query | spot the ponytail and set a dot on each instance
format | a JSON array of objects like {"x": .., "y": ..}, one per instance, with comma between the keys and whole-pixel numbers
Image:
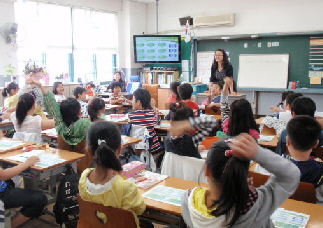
[
  {"x": 25, "y": 103},
  {"x": 5, "y": 92},
  {"x": 104, "y": 140},
  {"x": 93, "y": 108},
  {"x": 231, "y": 174},
  {"x": 106, "y": 157}
]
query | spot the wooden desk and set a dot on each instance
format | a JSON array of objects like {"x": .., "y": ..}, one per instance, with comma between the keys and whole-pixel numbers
[
  {"x": 17, "y": 147},
  {"x": 7, "y": 125},
  {"x": 315, "y": 211},
  {"x": 130, "y": 140},
  {"x": 164, "y": 126},
  {"x": 271, "y": 143}
]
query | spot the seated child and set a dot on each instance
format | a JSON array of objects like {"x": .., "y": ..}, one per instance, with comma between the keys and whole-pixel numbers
[
  {"x": 300, "y": 106},
  {"x": 287, "y": 115},
  {"x": 90, "y": 90},
  {"x": 239, "y": 117},
  {"x": 116, "y": 97},
  {"x": 96, "y": 109},
  {"x": 27, "y": 126},
  {"x": 79, "y": 93},
  {"x": 10, "y": 94},
  {"x": 58, "y": 91},
  {"x": 185, "y": 92},
  {"x": 103, "y": 184},
  {"x": 214, "y": 103},
  {"x": 229, "y": 201},
  {"x": 281, "y": 105},
  {"x": 187, "y": 144},
  {"x": 174, "y": 97},
  {"x": 146, "y": 115}
]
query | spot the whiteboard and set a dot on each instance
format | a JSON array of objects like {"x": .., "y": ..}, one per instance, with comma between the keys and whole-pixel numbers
[
  {"x": 203, "y": 67},
  {"x": 263, "y": 71}
]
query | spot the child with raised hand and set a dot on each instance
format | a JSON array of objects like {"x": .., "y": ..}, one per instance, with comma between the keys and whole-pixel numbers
[
  {"x": 96, "y": 109},
  {"x": 103, "y": 184},
  {"x": 187, "y": 143},
  {"x": 79, "y": 94},
  {"x": 58, "y": 91},
  {"x": 239, "y": 117},
  {"x": 31, "y": 201},
  {"x": 229, "y": 201},
  {"x": 67, "y": 116},
  {"x": 145, "y": 114},
  {"x": 10, "y": 94}
]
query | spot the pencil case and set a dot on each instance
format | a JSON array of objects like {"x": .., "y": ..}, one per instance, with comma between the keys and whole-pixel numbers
[{"x": 132, "y": 168}]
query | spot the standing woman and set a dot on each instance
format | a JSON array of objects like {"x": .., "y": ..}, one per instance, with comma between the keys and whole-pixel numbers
[
  {"x": 221, "y": 68},
  {"x": 117, "y": 78}
]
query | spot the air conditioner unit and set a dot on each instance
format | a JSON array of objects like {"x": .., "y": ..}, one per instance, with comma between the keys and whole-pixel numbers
[{"x": 214, "y": 20}]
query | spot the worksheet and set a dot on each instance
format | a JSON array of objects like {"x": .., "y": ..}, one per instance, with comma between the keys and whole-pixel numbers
[
  {"x": 9, "y": 144},
  {"x": 165, "y": 195},
  {"x": 289, "y": 219}
]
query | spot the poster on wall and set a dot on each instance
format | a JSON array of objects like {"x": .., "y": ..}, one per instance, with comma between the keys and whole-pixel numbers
[{"x": 315, "y": 72}]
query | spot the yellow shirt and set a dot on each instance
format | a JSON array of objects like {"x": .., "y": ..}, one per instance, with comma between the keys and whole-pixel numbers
[
  {"x": 11, "y": 101},
  {"x": 198, "y": 201},
  {"x": 121, "y": 194}
]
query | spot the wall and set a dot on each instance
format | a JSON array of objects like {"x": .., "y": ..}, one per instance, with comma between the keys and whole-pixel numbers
[
  {"x": 7, "y": 51},
  {"x": 252, "y": 16}
]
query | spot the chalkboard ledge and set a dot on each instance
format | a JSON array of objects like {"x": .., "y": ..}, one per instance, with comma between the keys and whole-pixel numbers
[{"x": 307, "y": 90}]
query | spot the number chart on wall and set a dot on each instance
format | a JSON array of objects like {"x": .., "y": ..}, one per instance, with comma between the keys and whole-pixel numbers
[{"x": 263, "y": 71}]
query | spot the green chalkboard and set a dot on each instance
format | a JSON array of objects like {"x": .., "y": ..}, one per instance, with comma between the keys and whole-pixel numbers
[{"x": 296, "y": 46}]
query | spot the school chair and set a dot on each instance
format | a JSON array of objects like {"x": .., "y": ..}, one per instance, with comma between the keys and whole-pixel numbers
[
  {"x": 79, "y": 148},
  {"x": 89, "y": 216},
  {"x": 304, "y": 192},
  {"x": 153, "y": 91},
  {"x": 184, "y": 167},
  {"x": 318, "y": 151},
  {"x": 210, "y": 111},
  {"x": 209, "y": 141}
]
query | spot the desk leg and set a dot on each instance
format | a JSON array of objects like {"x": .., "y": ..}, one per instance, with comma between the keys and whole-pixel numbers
[{"x": 52, "y": 186}]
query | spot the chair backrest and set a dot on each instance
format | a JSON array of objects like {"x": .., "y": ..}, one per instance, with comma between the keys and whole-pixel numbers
[
  {"x": 153, "y": 90},
  {"x": 209, "y": 141},
  {"x": 79, "y": 148},
  {"x": 187, "y": 168},
  {"x": 304, "y": 192},
  {"x": 210, "y": 111},
  {"x": 115, "y": 217}
]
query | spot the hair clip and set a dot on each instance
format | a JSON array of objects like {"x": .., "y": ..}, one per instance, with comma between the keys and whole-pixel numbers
[
  {"x": 176, "y": 104},
  {"x": 91, "y": 104},
  {"x": 101, "y": 141},
  {"x": 228, "y": 153},
  {"x": 230, "y": 140}
]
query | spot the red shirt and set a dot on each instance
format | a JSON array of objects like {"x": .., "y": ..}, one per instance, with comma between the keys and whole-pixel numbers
[{"x": 192, "y": 105}]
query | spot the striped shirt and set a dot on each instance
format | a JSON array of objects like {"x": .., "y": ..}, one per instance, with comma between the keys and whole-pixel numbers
[{"x": 147, "y": 118}]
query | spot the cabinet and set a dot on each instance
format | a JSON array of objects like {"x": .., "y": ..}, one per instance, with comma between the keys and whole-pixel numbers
[{"x": 158, "y": 76}]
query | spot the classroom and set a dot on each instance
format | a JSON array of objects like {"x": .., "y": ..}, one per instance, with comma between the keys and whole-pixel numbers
[{"x": 270, "y": 45}]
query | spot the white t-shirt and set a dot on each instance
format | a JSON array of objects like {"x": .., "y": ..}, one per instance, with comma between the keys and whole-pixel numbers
[
  {"x": 287, "y": 115},
  {"x": 30, "y": 129},
  {"x": 59, "y": 98}
]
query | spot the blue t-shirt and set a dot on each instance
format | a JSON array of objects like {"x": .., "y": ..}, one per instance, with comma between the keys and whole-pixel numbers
[{"x": 216, "y": 99}]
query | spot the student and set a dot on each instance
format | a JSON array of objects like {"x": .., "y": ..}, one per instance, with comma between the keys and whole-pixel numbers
[
  {"x": 300, "y": 106},
  {"x": 67, "y": 115},
  {"x": 287, "y": 115},
  {"x": 229, "y": 201},
  {"x": 79, "y": 93},
  {"x": 32, "y": 202},
  {"x": 214, "y": 103},
  {"x": 117, "y": 78},
  {"x": 187, "y": 144},
  {"x": 185, "y": 91},
  {"x": 145, "y": 115},
  {"x": 116, "y": 97},
  {"x": 96, "y": 109},
  {"x": 58, "y": 91},
  {"x": 90, "y": 90},
  {"x": 300, "y": 144},
  {"x": 103, "y": 184},
  {"x": 10, "y": 94},
  {"x": 239, "y": 118},
  {"x": 281, "y": 105},
  {"x": 27, "y": 126},
  {"x": 174, "y": 97}
]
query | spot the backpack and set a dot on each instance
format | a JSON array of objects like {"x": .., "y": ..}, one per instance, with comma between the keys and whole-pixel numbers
[{"x": 66, "y": 208}]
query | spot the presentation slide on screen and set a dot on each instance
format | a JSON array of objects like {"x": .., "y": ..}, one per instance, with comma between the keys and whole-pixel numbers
[{"x": 165, "y": 49}]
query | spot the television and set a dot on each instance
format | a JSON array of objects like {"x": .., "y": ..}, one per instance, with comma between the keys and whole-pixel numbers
[{"x": 157, "y": 48}]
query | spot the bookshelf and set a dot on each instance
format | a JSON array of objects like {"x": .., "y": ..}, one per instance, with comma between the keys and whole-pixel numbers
[{"x": 158, "y": 76}]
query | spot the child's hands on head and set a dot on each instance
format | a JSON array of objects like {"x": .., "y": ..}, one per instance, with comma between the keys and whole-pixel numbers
[
  {"x": 178, "y": 128},
  {"x": 244, "y": 146},
  {"x": 201, "y": 148},
  {"x": 32, "y": 160}
]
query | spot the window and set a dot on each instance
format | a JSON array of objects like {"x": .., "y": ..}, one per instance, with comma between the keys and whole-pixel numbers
[{"x": 47, "y": 39}]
